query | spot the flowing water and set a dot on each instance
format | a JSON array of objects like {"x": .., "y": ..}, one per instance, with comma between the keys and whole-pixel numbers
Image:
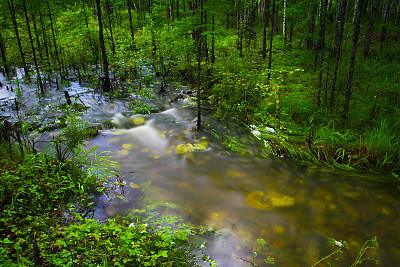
[{"x": 294, "y": 208}]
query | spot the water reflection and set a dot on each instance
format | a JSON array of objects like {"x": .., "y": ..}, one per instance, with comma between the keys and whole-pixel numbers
[{"x": 294, "y": 211}]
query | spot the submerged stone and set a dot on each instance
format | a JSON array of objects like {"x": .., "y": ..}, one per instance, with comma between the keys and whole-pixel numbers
[{"x": 261, "y": 201}]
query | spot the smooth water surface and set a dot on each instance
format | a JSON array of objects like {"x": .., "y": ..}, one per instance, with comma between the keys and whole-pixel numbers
[{"x": 295, "y": 210}]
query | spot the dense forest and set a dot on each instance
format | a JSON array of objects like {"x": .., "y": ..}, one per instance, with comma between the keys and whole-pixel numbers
[
  {"x": 314, "y": 81},
  {"x": 323, "y": 74}
]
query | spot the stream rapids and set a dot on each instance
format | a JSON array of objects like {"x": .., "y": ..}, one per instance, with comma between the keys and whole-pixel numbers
[{"x": 295, "y": 209}]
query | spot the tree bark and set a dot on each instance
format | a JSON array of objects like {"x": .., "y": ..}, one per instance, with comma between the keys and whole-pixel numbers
[
  {"x": 177, "y": 9},
  {"x": 94, "y": 52},
  {"x": 39, "y": 78},
  {"x": 353, "y": 58},
  {"x": 311, "y": 26},
  {"x": 109, "y": 13},
  {"x": 386, "y": 15},
  {"x": 321, "y": 45},
  {"x": 128, "y": 4},
  {"x": 338, "y": 45},
  {"x": 270, "y": 43},
  {"x": 368, "y": 35},
  {"x": 39, "y": 46},
  {"x": 106, "y": 79},
  {"x": 54, "y": 40},
  {"x": 291, "y": 29},
  {"x": 199, "y": 45},
  {"x": 266, "y": 11},
  {"x": 3, "y": 55},
  {"x": 284, "y": 20},
  {"x": 212, "y": 41},
  {"x": 14, "y": 20}
]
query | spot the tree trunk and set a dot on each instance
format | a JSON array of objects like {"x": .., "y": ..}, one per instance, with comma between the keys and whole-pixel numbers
[
  {"x": 270, "y": 43},
  {"x": 311, "y": 26},
  {"x": 266, "y": 11},
  {"x": 291, "y": 29},
  {"x": 128, "y": 4},
  {"x": 386, "y": 15},
  {"x": 54, "y": 40},
  {"x": 321, "y": 45},
  {"x": 14, "y": 20},
  {"x": 39, "y": 47},
  {"x": 94, "y": 52},
  {"x": 109, "y": 13},
  {"x": 212, "y": 41},
  {"x": 150, "y": 6},
  {"x": 39, "y": 78},
  {"x": 368, "y": 35},
  {"x": 353, "y": 58},
  {"x": 170, "y": 10},
  {"x": 338, "y": 45},
  {"x": 284, "y": 20},
  {"x": 46, "y": 48},
  {"x": 106, "y": 82},
  {"x": 3, "y": 55},
  {"x": 199, "y": 45},
  {"x": 177, "y": 9},
  {"x": 241, "y": 19}
]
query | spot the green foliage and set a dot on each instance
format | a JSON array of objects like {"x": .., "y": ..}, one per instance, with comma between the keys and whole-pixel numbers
[
  {"x": 371, "y": 244},
  {"x": 112, "y": 243},
  {"x": 71, "y": 138},
  {"x": 35, "y": 195}
]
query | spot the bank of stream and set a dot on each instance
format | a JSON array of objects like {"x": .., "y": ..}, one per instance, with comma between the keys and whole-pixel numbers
[{"x": 295, "y": 209}]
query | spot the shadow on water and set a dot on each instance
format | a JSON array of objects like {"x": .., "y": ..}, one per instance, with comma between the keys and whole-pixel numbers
[{"x": 294, "y": 208}]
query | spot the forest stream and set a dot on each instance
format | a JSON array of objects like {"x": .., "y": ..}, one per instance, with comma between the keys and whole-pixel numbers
[{"x": 243, "y": 197}]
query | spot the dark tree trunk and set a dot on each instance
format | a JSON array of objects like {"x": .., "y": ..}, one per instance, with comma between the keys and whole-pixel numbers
[
  {"x": 241, "y": 19},
  {"x": 311, "y": 26},
  {"x": 94, "y": 52},
  {"x": 39, "y": 46},
  {"x": 368, "y": 35},
  {"x": 3, "y": 55},
  {"x": 106, "y": 79},
  {"x": 321, "y": 45},
  {"x": 338, "y": 45},
  {"x": 199, "y": 46},
  {"x": 170, "y": 10},
  {"x": 177, "y": 9},
  {"x": 46, "y": 48},
  {"x": 109, "y": 13},
  {"x": 128, "y": 4},
  {"x": 291, "y": 29},
  {"x": 227, "y": 16},
  {"x": 39, "y": 78},
  {"x": 14, "y": 20},
  {"x": 150, "y": 6},
  {"x": 386, "y": 16},
  {"x": 266, "y": 11},
  {"x": 353, "y": 58},
  {"x": 212, "y": 41},
  {"x": 275, "y": 20},
  {"x": 270, "y": 43},
  {"x": 54, "y": 40}
]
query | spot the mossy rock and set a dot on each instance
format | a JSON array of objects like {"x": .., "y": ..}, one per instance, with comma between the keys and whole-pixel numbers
[
  {"x": 262, "y": 201},
  {"x": 75, "y": 106},
  {"x": 187, "y": 148}
]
